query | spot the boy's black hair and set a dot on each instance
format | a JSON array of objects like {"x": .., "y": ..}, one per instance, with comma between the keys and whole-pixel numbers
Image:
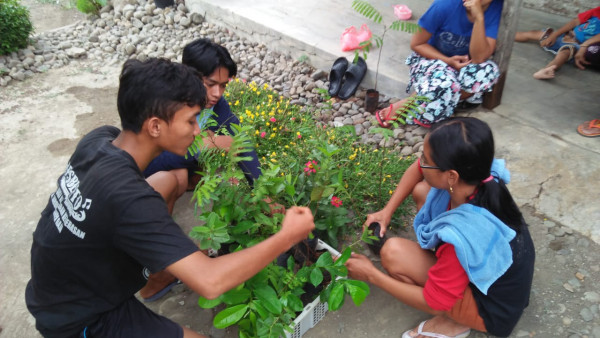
[
  {"x": 206, "y": 56},
  {"x": 466, "y": 144},
  {"x": 156, "y": 87}
]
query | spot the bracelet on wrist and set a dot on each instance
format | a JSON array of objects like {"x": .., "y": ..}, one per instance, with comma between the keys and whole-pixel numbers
[{"x": 584, "y": 46}]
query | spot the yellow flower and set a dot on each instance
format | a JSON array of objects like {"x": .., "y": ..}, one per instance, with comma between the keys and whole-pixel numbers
[
  {"x": 273, "y": 154},
  {"x": 272, "y": 135},
  {"x": 256, "y": 132},
  {"x": 388, "y": 176},
  {"x": 268, "y": 124},
  {"x": 237, "y": 102},
  {"x": 391, "y": 192},
  {"x": 286, "y": 146},
  {"x": 273, "y": 160},
  {"x": 222, "y": 154},
  {"x": 376, "y": 150},
  {"x": 352, "y": 157}
]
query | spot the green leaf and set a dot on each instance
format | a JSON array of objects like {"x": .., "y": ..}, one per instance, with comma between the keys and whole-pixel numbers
[
  {"x": 208, "y": 303},
  {"x": 235, "y": 296},
  {"x": 260, "y": 309},
  {"x": 344, "y": 257},
  {"x": 316, "y": 193},
  {"x": 269, "y": 298},
  {"x": 336, "y": 297},
  {"x": 230, "y": 316},
  {"x": 358, "y": 290},
  {"x": 316, "y": 276},
  {"x": 294, "y": 303},
  {"x": 324, "y": 260}
]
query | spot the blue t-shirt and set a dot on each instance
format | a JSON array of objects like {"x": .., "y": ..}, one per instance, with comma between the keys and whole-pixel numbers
[
  {"x": 450, "y": 28},
  {"x": 587, "y": 29}
]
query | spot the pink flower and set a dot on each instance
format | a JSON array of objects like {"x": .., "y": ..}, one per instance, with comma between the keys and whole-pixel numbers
[
  {"x": 310, "y": 167},
  {"x": 402, "y": 12},
  {"x": 336, "y": 201},
  {"x": 299, "y": 136},
  {"x": 263, "y": 134},
  {"x": 273, "y": 119}
]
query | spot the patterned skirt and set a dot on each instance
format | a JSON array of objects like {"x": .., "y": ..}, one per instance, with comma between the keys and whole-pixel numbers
[{"x": 442, "y": 85}]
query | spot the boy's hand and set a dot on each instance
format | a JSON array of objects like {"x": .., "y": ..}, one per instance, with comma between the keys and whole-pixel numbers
[
  {"x": 297, "y": 224},
  {"x": 549, "y": 41},
  {"x": 580, "y": 60}
]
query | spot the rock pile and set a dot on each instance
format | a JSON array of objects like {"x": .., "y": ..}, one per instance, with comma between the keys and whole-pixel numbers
[{"x": 140, "y": 30}]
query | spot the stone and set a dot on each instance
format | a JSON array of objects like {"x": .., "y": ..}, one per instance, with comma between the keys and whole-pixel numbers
[{"x": 586, "y": 314}]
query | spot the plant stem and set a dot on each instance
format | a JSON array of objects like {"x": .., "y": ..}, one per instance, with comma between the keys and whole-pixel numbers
[{"x": 379, "y": 56}]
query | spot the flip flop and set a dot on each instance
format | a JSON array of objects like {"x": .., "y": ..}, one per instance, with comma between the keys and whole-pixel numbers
[
  {"x": 162, "y": 292},
  {"x": 382, "y": 122},
  {"x": 352, "y": 78},
  {"x": 546, "y": 34},
  {"x": 336, "y": 75},
  {"x": 420, "y": 332},
  {"x": 589, "y": 128}
]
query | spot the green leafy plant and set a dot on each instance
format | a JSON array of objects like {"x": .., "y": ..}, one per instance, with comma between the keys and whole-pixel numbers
[
  {"x": 15, "y": 26},
  {"x": 303, "y": 163},
  {"x": 369, "y": 11},
  {"x": 90, "y": 6}
]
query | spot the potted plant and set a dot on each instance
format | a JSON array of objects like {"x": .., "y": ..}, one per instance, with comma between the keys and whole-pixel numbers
[{"x": 366, "y": 9}]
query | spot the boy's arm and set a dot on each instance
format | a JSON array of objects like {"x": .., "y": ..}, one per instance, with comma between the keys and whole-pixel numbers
[
  {"x": 211, "y": 277},
  {"x": 551, "y": 39},
  {"x": 580, "y": 60}
]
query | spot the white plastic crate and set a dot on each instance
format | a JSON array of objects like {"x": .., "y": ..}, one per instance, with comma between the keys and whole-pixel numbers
[{"x": 314, "y": 311}]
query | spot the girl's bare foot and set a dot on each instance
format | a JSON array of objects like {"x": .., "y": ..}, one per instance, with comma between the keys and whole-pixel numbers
[{"x": 545, "y": 73}]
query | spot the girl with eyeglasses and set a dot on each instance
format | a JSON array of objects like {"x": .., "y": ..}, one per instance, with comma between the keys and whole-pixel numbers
[{"x": 472, "y": 266}]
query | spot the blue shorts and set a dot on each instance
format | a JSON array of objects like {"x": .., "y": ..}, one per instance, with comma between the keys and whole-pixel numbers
[{"x": 561, "y": 44}]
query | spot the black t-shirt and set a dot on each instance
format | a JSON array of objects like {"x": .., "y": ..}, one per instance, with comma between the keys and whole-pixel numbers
[
  {"x": 103, "y": 231},
  {"x": 509, "y": 295}
]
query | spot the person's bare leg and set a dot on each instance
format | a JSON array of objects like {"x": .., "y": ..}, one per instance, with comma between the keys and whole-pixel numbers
[
  {"x": 188, "y": 333},
  {"x": 167, "y": 185},
  {"x": 548, "y": 72},
  {"x": 405, "y": 261},
  {"x": 534, "y": 35},
  {"x": 182, "y": 180},
  {"x": 419, "y": 193}
]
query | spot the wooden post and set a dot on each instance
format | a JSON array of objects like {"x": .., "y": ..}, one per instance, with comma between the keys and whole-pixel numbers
[{"x": 504, "y": 44}]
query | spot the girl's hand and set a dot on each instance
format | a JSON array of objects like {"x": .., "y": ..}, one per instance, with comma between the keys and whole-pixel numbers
[
  {"x": 459, "y": 61},
  {"x": 359, "y": 267},
  {"x": 380, "y": 217},
  {"x": 474, "y": 8}
]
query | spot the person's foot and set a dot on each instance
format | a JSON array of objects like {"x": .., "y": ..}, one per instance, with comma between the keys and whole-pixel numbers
[
  {"x": 440, "y": 325},
  {"x": 158, "y": 285},
  {"x": 385, "y": 115},
  {"x": 545, "y": 73}
]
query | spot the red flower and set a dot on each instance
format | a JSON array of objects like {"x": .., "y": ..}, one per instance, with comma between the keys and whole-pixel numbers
[
  {"x": 336, "y": 201},
  {"x": 273, "y": 119},
  {"x": 310, "y": 167},
  {"x": 262, "y": 135}
]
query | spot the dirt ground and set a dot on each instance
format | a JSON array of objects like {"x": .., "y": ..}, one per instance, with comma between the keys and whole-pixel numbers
[{"x": 43, "y": 118}]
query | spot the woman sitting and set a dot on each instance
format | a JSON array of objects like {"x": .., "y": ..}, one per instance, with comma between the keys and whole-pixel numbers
[
  {"x": 449, "y": 64},
  {"x": 472, "y": 267}
]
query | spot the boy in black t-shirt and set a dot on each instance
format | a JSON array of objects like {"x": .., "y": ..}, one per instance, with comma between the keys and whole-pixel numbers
[{"x": 106, "y": 228}]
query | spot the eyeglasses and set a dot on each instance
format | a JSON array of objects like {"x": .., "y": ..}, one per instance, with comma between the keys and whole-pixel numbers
[{"x": 427, "y": 166}]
